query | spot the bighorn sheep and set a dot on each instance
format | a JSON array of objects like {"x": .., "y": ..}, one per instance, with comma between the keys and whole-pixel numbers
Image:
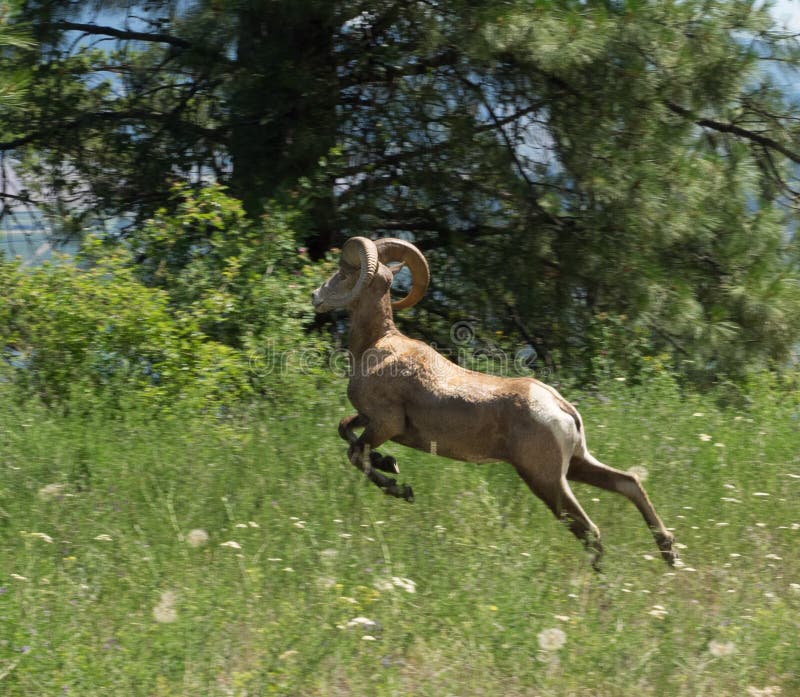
[{"x": 406, "y": 392}]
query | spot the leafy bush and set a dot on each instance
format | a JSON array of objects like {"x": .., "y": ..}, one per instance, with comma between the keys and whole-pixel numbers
[
  {"x": 70, "y": 332},
  {"x": 212, "y": 296}
]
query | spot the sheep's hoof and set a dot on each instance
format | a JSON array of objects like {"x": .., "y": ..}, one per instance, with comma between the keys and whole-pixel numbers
[
  {"x": 665, "y": 543},
  {"x": 385, "y": 463},
  {"x": 400, "y": 491}
]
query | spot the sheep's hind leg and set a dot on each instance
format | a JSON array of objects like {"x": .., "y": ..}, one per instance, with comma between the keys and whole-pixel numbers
[
  {"x": 363, "y": 457},
  {"x": 557, "y": 495},
  {"x": 589, "y": 470}
]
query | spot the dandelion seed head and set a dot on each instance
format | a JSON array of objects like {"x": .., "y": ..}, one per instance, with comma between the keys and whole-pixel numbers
[
  {"x": 197, "y": 537},
  {"x": 639, "y": 471},
  {"x": 721, "y": 648},
  {"x": 551, "y": 639},
  {"x": 165, "y": 612}
]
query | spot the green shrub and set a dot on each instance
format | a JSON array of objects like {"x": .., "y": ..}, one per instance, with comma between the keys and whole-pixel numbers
[
  {"x": 199, "y": 306},
  {"x": 71, "y": 332}
]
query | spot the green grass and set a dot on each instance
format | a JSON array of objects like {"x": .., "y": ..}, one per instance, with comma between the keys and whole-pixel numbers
[{"x": 318, "y": 547}]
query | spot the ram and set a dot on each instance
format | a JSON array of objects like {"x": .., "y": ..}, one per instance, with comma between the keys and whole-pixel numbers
[{"x": 404, "y": 391}]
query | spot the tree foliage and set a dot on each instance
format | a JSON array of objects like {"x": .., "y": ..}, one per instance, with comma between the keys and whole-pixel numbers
[{"x": 576, "y": 170}]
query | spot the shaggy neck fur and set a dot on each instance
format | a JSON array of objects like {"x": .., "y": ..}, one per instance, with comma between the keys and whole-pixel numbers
[{"x": 370, "y": 321}]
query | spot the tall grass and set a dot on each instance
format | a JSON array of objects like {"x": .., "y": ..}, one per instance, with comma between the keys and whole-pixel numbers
[{"x": 311, "y": 582}]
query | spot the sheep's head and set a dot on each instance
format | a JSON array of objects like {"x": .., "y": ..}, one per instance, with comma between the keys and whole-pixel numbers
[{"x": 364, "y": 268}]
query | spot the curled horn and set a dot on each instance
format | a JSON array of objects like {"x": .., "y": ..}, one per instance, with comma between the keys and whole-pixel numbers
[
  {"x": 395, "y": 250},
  {"x": 358, "y": 253}
]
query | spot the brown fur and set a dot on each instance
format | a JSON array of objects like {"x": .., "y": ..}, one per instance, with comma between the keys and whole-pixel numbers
[{"x": 406, "y": 392}]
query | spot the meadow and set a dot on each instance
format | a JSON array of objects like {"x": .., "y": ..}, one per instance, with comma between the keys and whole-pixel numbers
[{"x": 191, "y": 555}]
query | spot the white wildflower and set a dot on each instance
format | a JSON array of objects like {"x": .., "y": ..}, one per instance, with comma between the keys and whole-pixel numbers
[
  {"x": 253, "y": 524},
  {"x": 551, "y": 639},
  {"x": 233, "y": 544},
  {"x": 368, "y": 637},
  {"x": 698, "y": 413},
  {"x": 405, "y": 583},
  {"x": 197, "y": 537},
  {"x": 658, "y": 611},
  {"x": 721, "y": 648},
  {"x": 769, "y": 691},
  {"x": 104, "y": 538},
  {"x": 240, "y": 525},
  {"x": 760, "y": 493},
  {"x": 300, "y": 524},
  {"x": 704, "y": 437},
  {"x": 364, "y": 622},
  {"x": 52, "y": 491},
  {"x": 17, "y": 577},
  {"x": 773, "y": 556},
  {"x": 42, "y": 536}
]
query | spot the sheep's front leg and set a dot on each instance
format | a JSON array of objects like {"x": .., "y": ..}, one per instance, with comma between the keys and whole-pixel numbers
[
  {"x": 361, "y": 455},
  {"x": 382, "y": 462}
]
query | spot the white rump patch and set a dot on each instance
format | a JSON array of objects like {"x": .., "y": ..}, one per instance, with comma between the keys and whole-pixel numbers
[{"x": 546, "y": 411}]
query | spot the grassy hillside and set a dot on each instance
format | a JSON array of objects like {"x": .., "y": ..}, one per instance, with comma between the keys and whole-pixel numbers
[{"x": 189, "y": 556}]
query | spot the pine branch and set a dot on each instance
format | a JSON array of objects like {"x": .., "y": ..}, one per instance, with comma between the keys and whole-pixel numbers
[
  {"x": 732, "y": 128},
  {"x": 122, "y": 33}
]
